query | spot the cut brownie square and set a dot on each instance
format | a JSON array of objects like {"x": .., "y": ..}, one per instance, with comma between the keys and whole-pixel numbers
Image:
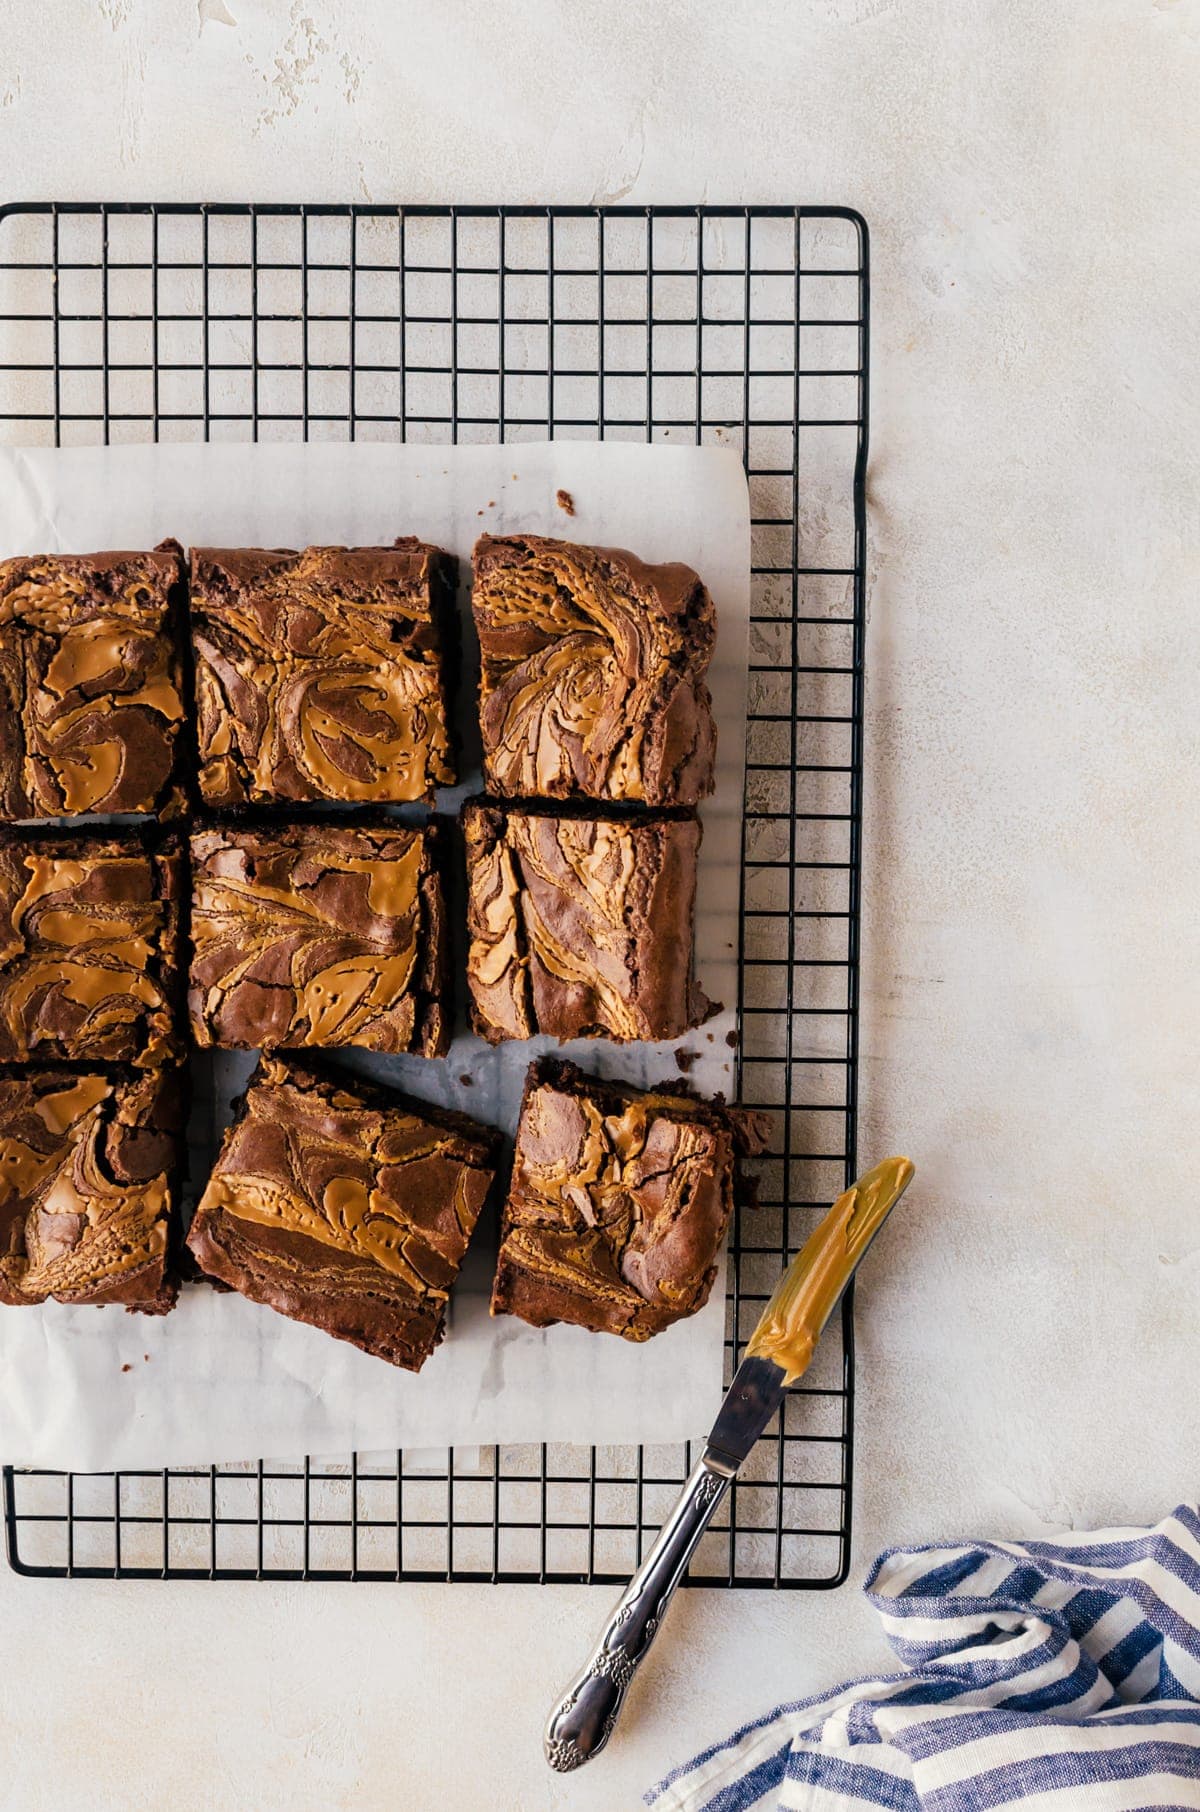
[
  {"x": 592, "y": 677},
  {"x": 88, "y": 1164},
  {"x": 90, "y": 708},
  {"x": 319, "y": 934},
  {"x": 322, "y": 674},
  {"x": 618, "y": 1205},
  {"x": 89, "y": 959},
  {"x": 344, "y": 1205},
  {"x": 581, "y": 923}
]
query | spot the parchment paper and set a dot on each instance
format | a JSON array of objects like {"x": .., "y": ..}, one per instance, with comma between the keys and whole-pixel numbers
[{"x": 222, "y": 1379}]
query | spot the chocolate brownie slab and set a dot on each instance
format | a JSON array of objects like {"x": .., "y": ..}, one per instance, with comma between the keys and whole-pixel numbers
[
  {"x": 344, "y": 1205},
  {"x": 581, "y": 922},
  {"x": 90, "y": 706},
  {"x": 89, "y": 946},
  {"x": 593, "y": 673},
  {"x": 322, "y": 675},
  {"x": 619, "y": 1202},
  {"x": 318, "y": 934},
  {"x": 88, "y": 1186}
]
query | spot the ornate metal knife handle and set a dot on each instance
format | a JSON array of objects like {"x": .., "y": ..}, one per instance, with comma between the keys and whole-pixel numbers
[{"x": 583, "y": 1720}]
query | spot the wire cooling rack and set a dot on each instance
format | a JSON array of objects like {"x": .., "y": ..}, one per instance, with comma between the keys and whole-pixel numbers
[{"x": 743, "y": 327}]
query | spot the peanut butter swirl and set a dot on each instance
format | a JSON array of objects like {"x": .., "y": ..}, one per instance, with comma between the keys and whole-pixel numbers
[
  {"x": 343, "y": 1206},
  {"x": 581, "y": 926},
  {"x": 318, "y": 935},
  {"x": 86, "y": 1192},
  {"x": 593, "y": 668},
  {"x": 618, "y": 1205},
  {"x": 90, "y": 707},
  {"x": 88, "y": 948},
  {"x": 321, "y": 675}
]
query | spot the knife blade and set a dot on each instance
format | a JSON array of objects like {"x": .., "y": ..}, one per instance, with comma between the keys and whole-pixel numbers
[
  {"x": 781, "y": 1347},
  {"x": 778, "y": 1352}
]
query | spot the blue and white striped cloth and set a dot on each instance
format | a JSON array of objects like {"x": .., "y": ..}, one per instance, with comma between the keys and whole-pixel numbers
[{"x": 1054, "y": 1675}]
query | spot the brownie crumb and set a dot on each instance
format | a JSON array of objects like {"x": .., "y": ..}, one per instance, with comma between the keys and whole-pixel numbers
[
  {"x": 127, "y": 1368},
  {"x": 685, "y": 1060},
  {"x": 467, "y": 1081},
  {"x": 565, "y": 502},
  {"x": 731, "y": 1039}
]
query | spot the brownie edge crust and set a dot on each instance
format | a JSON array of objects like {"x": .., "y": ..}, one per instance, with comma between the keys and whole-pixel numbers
[{"x": 341, "y": 1204}]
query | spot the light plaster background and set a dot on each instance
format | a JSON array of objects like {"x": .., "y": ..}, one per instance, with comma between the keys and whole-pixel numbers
[{"x": 1030, "y": 1333}]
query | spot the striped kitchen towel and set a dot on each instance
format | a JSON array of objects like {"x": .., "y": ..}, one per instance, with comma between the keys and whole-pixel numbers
[{"x": 1053, "y": 1675}]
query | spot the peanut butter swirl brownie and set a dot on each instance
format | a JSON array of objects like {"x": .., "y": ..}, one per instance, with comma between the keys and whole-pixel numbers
[
  {"x": 318, "y": 934},
  {"x": 619, "y": 1202},
  {"x": 90, "y": 707},
  {"x": 87, "y": 1186},
  {"x": 89, "y": 947},
  {"x": 346, "y": 1206},
  {"x": 322, "y": 674},
  {"x": 593, "y": 668},
  {"x": 581, "y": 925}
]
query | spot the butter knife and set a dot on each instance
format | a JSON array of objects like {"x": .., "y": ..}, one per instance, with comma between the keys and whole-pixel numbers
[{"x": 778, "y": 1352}]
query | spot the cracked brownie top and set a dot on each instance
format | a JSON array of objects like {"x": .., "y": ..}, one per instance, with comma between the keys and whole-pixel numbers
[{"x": 618, "y": 1204}]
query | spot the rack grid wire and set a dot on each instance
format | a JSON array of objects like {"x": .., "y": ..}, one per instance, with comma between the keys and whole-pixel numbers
[{"x": 744, "y": 327}]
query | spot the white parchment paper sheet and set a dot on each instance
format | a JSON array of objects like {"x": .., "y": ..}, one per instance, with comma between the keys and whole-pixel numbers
[{"x": 221, "y": 1379}]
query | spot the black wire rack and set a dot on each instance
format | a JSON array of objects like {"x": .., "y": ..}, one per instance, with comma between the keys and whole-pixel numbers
[{"x": 738, "y": 326}]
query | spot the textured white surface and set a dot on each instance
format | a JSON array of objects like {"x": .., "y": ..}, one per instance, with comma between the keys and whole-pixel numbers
[{"x": 1030, "y": 1339}]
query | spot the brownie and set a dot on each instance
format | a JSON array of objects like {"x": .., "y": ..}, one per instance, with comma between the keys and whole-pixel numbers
[
  {"x": 342, "y": 1204},
  {"x": 322, "y": 674},
  {"x": 89, "y": 959},
  {"x": 592, "y": 675},
  {"x": 580, "y": 923},
  {"x": 319, "y": 934},
  {"x": 90, "y": 708},
  {"x": 88, "y": 1190},
  {"x": 618, "y": 1204}
]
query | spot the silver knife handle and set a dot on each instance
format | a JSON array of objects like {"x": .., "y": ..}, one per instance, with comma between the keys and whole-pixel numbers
[{"x": 582, "y": 1721}]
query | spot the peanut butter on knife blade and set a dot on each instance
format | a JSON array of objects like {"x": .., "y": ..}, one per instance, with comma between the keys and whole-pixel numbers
[{"x": 807, "y": 1293}]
